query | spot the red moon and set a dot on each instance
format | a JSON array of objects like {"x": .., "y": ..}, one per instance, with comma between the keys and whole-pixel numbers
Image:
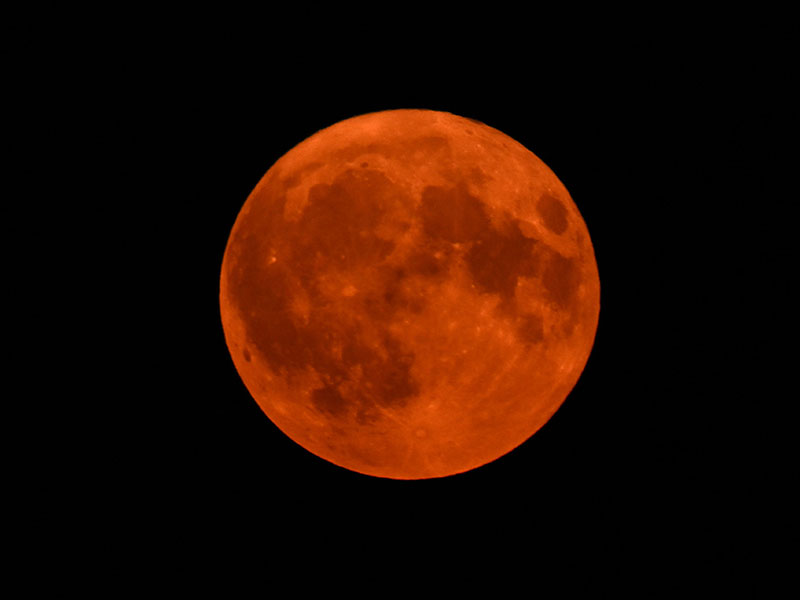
[{"x": 409, "y": 294}]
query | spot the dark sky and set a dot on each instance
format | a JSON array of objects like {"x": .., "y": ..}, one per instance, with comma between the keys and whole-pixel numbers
[
  {"x": 657, "y": 153},
  {"x": 631, "y": 149}
]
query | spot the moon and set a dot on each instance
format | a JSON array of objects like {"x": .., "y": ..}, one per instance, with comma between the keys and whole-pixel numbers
[{"x": 409, "y": 294}]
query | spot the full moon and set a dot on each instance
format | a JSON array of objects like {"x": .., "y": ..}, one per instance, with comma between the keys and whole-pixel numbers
[{"x": 409, "y": 294}]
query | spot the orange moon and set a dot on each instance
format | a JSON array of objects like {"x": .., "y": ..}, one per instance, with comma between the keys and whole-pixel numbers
[{"x": 409, "y": 294}]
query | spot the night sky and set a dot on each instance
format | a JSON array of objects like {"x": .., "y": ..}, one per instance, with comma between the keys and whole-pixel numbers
[{"x": 648, "y": 449}]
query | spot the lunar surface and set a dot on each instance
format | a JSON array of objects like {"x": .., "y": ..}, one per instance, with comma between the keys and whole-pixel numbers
[{"x": 409, "y": 294}]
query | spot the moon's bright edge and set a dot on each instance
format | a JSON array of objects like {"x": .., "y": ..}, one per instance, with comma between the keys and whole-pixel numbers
[{"x": 409, "y": 294}]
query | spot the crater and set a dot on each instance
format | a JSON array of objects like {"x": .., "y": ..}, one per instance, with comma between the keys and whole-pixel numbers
[
  {"x": 495, "y": 256},
  {"x": 399, "y": 149},
  {"x": 361, "y": 364},
  {"x": 530, "y": 328},
  {"x": 452, "y": 214},
  {"x": 428, "y": 263},
  {"x": 553, "y": 213},
  {"x": 498, "y": 258},
  {"x": 561, "y": 279},
  {"x": 339, "y": 222},
  {"x": 327, "y": 399},
  {"x": 298, "y": 175}
]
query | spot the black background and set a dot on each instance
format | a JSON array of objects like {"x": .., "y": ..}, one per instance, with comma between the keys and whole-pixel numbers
[
  {"x": 633, "y": 441},
  {"x": 662, "y": 152},
  {"x": 637, "y": 440}
]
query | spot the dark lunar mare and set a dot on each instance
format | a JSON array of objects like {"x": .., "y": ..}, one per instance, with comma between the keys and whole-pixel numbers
[{"x": 338, "y": 232}]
